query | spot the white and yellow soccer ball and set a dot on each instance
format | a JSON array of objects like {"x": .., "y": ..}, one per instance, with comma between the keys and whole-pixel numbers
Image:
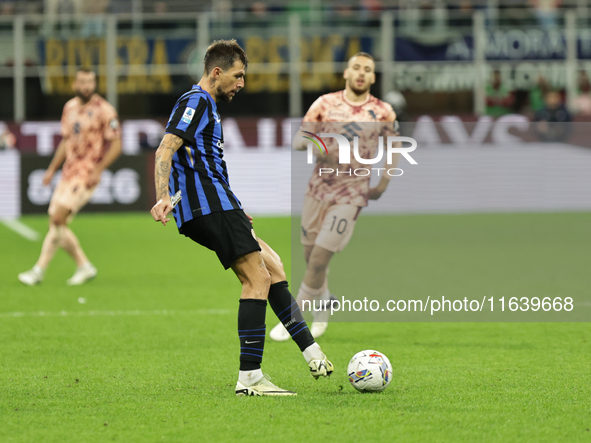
[{"x": 370, "y": 371}]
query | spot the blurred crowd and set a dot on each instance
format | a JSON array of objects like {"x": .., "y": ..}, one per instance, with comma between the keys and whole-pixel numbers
[
  {"x": 542, "y": 102},
  {"x": 445, "y": 12},
  {"x": 414, "y": 16}
]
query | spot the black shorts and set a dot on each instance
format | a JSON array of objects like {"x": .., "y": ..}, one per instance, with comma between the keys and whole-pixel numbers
[{"x": 228, "y": 233}]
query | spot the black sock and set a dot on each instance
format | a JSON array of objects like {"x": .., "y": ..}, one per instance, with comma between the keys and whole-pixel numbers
[
  {"x": 251, "y": 330},
  {"x": 288, "y": 312}
]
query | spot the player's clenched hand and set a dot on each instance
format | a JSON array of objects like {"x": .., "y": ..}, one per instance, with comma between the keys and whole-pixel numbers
[
  {"x": 249, "y": 218},
  {"x": 161, "y": 209},
  {"x": 47, "y": 177},
  {"x": 375, "y": 193}
]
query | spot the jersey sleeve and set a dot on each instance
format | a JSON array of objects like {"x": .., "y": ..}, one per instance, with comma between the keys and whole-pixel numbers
[
  {"x": 112, "y": 128},
  {"x": 390, "y": 123},
  {"x": 189, "y": 116},
  {"x": 314, "y": 115},
  {"x": 315, "y": 112}
]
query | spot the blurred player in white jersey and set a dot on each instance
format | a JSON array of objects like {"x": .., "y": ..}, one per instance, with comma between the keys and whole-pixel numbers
[
  {"x": 332, "y": 203},
  {"x": 91, "y": 142}
]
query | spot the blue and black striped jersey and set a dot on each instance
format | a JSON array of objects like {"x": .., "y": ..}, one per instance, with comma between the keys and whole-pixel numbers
[{"x": 198, "y": 167}]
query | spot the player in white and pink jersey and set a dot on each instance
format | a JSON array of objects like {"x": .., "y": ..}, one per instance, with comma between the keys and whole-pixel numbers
[
  {"x": 91, "y": 142},
  {"x": 333, "y": 202}
]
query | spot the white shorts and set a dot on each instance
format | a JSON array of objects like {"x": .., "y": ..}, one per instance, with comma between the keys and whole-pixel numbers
[
  {"x": 326, "y": 225},
  {"x": 71, "y": 194}
]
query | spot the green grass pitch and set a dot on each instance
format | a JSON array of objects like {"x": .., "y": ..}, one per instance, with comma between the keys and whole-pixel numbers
[{"x": 152, "y": 355}]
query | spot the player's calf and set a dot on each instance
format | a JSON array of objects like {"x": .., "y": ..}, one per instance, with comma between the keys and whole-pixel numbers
[
  {"x": 272, "y": 262},
  {"x": 290, "y": 316}
]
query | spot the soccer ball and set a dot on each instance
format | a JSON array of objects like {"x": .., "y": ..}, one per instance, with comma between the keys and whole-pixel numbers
[{"x": 369, "y": 371}]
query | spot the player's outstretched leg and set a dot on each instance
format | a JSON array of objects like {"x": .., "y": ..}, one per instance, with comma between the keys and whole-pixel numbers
[
  {"x": 319, "y": 300},
  {"x": 58, "y": 216},
  {"x": 85, "y": 271},
  {"x": 290, "y": 316},
  {"x": 50, "y": 245},
  {"x": 314, "y": 287},
  {"x": 59, "y": 235},
  {"x": 255, "y": 280},
  {"x": 307, "y": 297},
  {"x": 288, "y": 312}
]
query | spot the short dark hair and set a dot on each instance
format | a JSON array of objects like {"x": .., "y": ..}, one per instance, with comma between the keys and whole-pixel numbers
[
  {"x": 223, "y": 54},
  {"x": 85, "y": 70},
  {"x": 363, "y": 54}
]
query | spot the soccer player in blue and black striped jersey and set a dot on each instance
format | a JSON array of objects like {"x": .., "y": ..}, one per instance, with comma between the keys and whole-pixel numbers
[{"x": 190, "y": 159}]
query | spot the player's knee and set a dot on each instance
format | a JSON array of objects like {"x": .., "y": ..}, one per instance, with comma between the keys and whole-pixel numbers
[{"x": 58, "y": 220}]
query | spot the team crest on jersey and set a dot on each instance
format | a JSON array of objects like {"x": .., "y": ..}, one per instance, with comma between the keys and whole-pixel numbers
[{"x": 188, "y": 115}]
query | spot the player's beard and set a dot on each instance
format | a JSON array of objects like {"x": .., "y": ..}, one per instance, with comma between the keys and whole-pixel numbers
[
  {"x": 84, "y": 97},
  {"x": 359, "y": 91},
  {"x": 224, "y": 96}
]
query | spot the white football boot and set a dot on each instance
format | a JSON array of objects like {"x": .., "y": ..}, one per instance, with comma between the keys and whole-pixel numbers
[
  {"x": 263, "y": 387},
  {"x": 31, "y": 277},
  {"x": 319, "y": 365},
  {"x": 83, "y": 274},
  {"x": 320, "y": 368},
  {"x": 279, "y": 333}
]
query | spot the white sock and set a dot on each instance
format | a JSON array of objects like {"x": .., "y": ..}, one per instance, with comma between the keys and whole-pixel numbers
[
  {"x": 324, "y": 286},
  {"x": 249, "y": 378},
  {"x": 307, "y": 293},
  {"x": 38, "y": 270},
  {"x": 313, "y": 352},
  {"x": 323, "y": 316}
]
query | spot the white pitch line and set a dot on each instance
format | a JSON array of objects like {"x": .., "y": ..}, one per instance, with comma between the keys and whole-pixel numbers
[
  {"x": 114, "y": 313},
  {"x": 21, "y": 229}
]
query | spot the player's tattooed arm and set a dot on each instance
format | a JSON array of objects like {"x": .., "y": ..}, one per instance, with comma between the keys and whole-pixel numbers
[{"x": 169, "y": 145}]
